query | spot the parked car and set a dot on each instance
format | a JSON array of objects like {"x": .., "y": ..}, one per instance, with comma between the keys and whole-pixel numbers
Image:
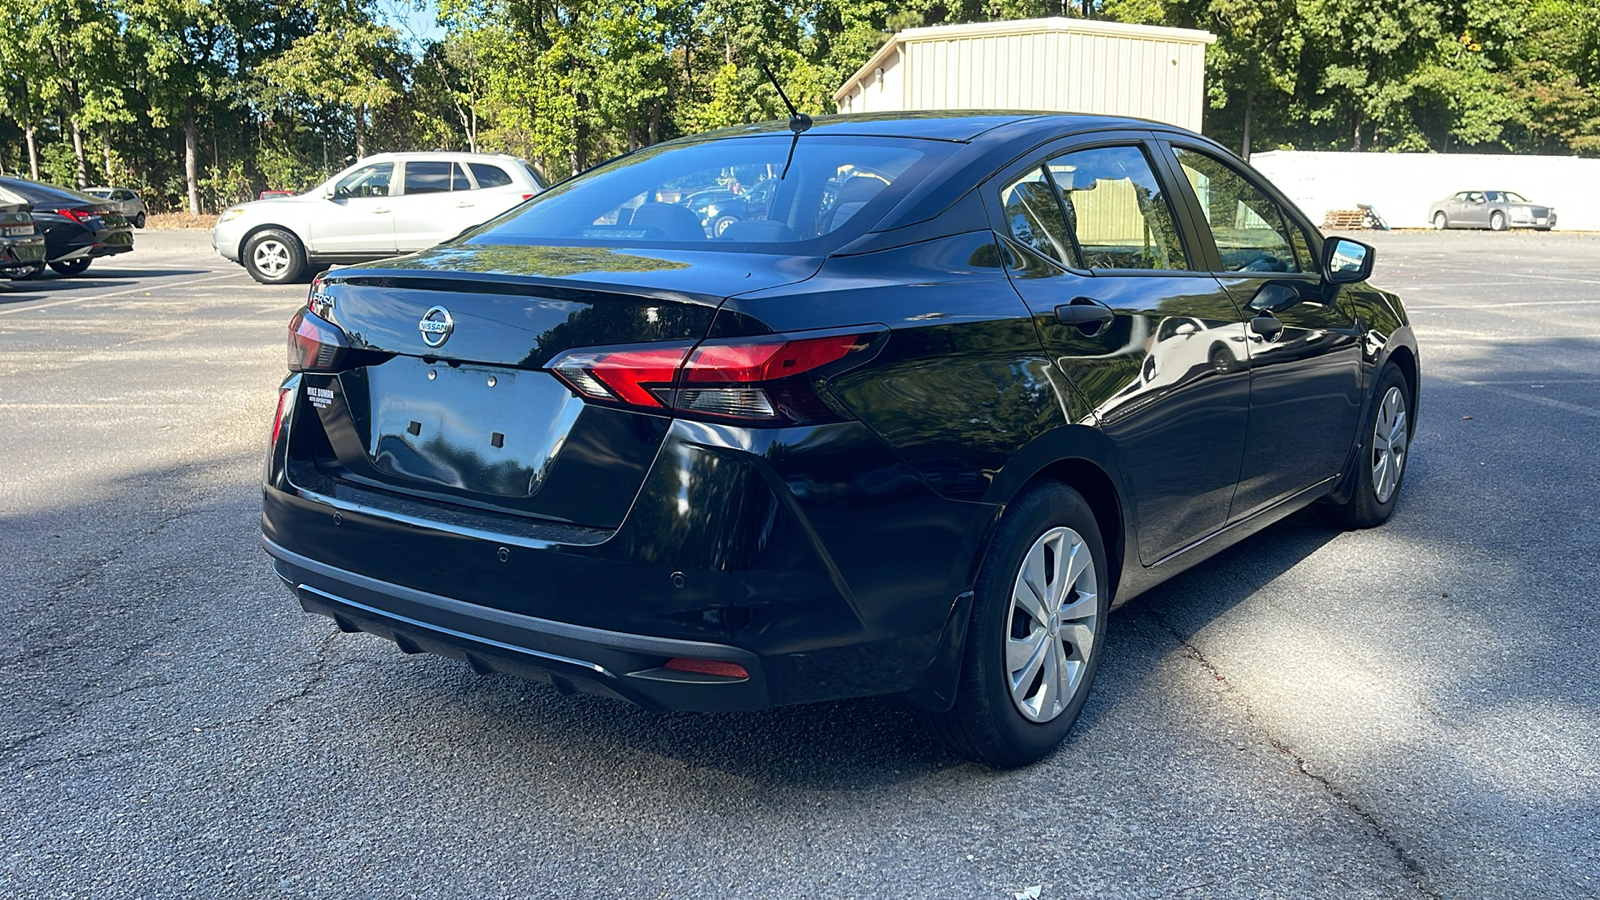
[
  {"x": 386, "y": 204},
  {"x": 895, "y": 437},
  {"x": 1494, "y": 210},
  {"x": 126, "y": 200},
  {"x": 21, "y": 244},
  {"x": 78, "y": 228}
]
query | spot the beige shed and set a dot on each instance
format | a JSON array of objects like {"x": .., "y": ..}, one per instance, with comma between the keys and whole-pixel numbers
[{"x": 1062, "y": 65}]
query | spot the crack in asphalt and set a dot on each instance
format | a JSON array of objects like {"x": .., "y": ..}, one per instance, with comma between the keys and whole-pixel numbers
[
  {"x": 318, "y": 668},
  {"x": 1409, "y": 866}
]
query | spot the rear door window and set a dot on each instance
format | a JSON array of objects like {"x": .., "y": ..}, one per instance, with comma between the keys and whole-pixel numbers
[
  {"x": 489, "y": 176},
  {"x": 1099, "y": 208},
  {"x": 435, "y": 177}
]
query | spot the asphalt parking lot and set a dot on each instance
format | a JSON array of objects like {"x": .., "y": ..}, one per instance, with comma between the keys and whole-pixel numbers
[{"x": 1408, "y": 711}]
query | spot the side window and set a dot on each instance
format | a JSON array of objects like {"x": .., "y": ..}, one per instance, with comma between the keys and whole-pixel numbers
[
  {"x": 1119, "y": 216},
  {"x": 1251, "y": 231},
  {"x": 489, "y": 176},
  {"x": 1036, "y": 217},
  {"x": 435, "y": 177},
  {"x": 368, "y": 181}
]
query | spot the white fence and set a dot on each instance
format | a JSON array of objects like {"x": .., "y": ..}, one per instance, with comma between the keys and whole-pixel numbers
[{"x": 1402, "y": 185}]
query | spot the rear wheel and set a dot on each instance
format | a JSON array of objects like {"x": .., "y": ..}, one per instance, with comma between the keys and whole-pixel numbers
[
  {"x": 22, "y": 273},
  {"x": 274, "y": 256},
  {"x": 1497, "y": 221},
  {"x": 138, "y": 220},
  {"x": 1440, "y": 221},
  {"x": 1038, "y": 623},
  {"x": 71, "y": 266},
  {"x": 1381, "y": 460}
]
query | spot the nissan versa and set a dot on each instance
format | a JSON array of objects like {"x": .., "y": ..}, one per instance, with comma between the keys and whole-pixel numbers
[{"x": 957, "y": 386}]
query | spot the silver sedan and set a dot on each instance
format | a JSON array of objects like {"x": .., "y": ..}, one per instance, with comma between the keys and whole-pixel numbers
[
  {"x": 1494, "y": 210},
  {"x": 127, "y": 202}
]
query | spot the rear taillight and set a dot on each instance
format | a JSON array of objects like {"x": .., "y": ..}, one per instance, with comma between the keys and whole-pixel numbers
[
  {"x": 315, "y": 344},
  {"x": 277, "y": 417},
  {"x": 772, "y": 379},
  {"x": 77, "y": 215}
]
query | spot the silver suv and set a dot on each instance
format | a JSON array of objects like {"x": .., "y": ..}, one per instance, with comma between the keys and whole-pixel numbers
[{"x": 383, "y": 205}]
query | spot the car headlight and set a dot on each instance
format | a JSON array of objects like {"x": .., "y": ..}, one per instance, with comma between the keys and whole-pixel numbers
[{"x": 229, "y": 214}]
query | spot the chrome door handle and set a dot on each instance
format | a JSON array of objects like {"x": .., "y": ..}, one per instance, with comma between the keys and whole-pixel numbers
[{"x": 464, "y": 204}]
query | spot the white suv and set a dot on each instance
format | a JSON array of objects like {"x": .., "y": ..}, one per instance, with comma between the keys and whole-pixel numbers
[{"x": 383, "y": 205}]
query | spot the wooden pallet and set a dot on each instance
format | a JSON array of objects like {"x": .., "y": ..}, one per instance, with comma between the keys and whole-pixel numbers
[{"x": 1344, "y": 218}]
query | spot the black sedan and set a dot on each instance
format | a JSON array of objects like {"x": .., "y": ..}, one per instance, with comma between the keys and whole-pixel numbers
[
  {"x": 970, "y": 382},
  {"x": 78, "y": 228},
  {"x": 21, "y": 244}
]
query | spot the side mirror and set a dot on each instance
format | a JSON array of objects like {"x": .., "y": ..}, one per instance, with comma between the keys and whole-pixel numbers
[
  {"x": 1345, "y": 261},
  {"x": 330, "y": 193}
]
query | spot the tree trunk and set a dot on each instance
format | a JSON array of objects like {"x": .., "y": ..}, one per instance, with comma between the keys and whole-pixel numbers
[
  {"x": 1355, "y": 146},
  {"x": 191, "y": 160},
  {"x": 361, "y": 131},
  {"x": 77, "y": 152},
  {"x": 1249, "y": 103},
  {"x": 33, "y": 153},
  {"x": 105, "y": 149}
]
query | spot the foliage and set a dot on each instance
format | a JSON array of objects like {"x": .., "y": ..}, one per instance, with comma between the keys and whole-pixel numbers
[{"x": 281, "y": 93}]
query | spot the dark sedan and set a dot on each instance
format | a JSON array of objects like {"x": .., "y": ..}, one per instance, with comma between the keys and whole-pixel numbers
[
  {"x": 967, "y": 384},
  {"x": 1494, "y": 210},
  {"x": 78, "y": 228},
  {"x": 21, "y": 244}
]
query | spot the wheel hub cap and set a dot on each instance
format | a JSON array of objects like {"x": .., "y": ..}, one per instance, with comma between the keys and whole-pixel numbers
[
  {"x": 1389, "y": 436},
  {"x": 1055, "y": 605}
]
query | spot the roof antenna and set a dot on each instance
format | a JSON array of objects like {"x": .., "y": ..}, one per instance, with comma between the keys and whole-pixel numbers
[{"x": 799, "y": 122}]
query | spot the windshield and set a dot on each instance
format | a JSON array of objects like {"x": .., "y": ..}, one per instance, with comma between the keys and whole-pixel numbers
[{"x": 731, "y": 194}]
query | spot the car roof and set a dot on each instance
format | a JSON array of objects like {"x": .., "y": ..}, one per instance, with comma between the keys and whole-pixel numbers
[
  {"x": 946, "y": 125},
  {"x": 441, "y": 154}
]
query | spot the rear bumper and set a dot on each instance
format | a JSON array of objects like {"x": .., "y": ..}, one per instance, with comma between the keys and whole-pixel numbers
[
  {"x": 22, "y": 251},
  {"x": 95, "y": 245},
  {"x": 572, "y": 658}
]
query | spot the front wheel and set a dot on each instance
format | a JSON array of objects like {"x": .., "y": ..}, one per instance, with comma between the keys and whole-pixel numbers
[
  {"x": 274, "y": 257},
  {"x": 1497, "y": 221},
  {"x": 71, "y": 266},
  {"x": 1440, "y": 221},
  {"x": 1038, "y": 623},
  {"x": 139, "y": 220},
  {"x": 22, "y": 273},
  {"x": 1381, "y": 459}
]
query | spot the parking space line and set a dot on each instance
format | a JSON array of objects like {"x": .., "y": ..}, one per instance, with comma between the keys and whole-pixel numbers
[
  {"x": 134, "y": 290},
  {"x": 1532, "y": 398}
]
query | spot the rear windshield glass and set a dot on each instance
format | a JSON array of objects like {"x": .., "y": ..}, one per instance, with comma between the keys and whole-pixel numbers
[{"x": 731, "y": 193}]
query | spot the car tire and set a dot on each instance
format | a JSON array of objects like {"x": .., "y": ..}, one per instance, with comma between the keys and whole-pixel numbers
[
  {"x": 274, "y": 256},
  {"x": 138, "y": 220},
  {"x": 71, "y": 267},
  {"x": 1381, "y": 456},
  {"x": 22, "y": 273},
  {"x": 721, "y": 225},
  {"x": 1440, "y": 221},
  {"x": 1497, "y": 221},
  {"x": 1013, "y": 706}
]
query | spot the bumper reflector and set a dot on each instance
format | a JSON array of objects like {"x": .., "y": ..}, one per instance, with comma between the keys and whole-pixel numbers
[{"x": 707, "y": 667}]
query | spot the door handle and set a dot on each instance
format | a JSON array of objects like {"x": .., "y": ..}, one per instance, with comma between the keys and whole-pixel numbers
[
  {"x": 1267, "y": 325},
  {"x": 380, "y": 210},
  {"x": 464, "y": 204},
  {"x": 1083, "y": 312}
]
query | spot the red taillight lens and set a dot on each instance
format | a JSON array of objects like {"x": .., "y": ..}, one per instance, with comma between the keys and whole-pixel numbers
[
  {"x": 315, "y": 344},
  {"x": 76, "y": 215},
  {"x": 754, "y": 379},
  {"x": 277, "y": 417},
  {"x": 639, "y": 376},
  {"x": 528, "y": 196}
]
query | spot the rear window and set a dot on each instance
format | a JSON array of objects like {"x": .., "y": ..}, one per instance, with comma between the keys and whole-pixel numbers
[{"x": 731, "y": 193}]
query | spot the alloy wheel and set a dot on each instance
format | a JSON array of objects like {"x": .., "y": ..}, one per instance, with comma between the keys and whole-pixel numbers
[
  {"x": 1389, "y": 435},
  {"x": 1055, "y": 601},
  {"x": 271, "y": 258}
]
